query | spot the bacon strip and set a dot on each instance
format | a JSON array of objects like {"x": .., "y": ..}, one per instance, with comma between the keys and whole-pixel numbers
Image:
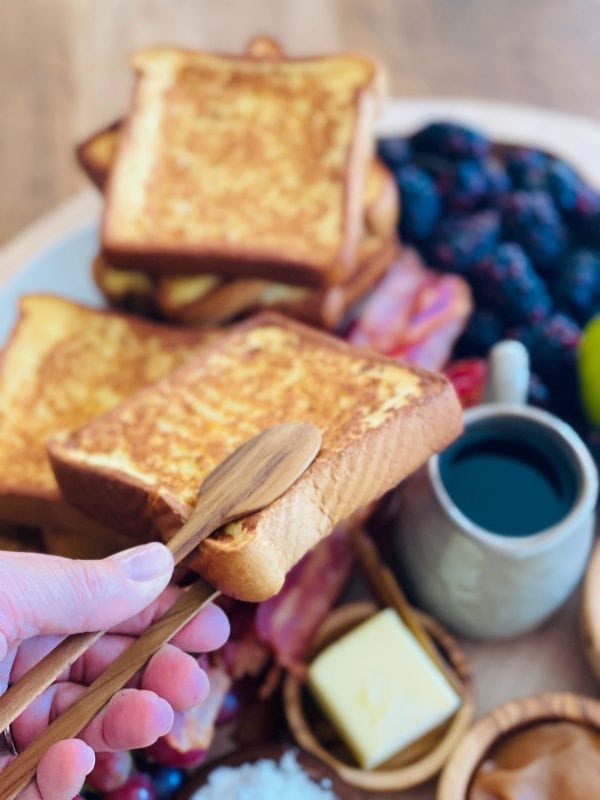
[
  {"x": 414, "y": 314},
  {"x": 289, "y": 621},
  {"x": 194, "y": 729}
]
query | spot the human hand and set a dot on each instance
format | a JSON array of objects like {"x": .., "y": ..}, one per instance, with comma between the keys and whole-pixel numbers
[{"x": 43, "y": 598}]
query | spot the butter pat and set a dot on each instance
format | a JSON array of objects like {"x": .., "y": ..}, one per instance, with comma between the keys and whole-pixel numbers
[{"x": 380, "y": 689}]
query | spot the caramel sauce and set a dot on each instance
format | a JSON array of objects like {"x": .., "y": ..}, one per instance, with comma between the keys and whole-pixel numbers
[{"x": 548, "y": 761}]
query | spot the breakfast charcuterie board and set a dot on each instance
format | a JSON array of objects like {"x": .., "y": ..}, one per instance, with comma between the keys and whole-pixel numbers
[{"x": 53, "y": 255}]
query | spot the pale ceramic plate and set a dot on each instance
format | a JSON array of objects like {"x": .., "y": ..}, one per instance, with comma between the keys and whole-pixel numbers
[{"x": 54, "y": 255}]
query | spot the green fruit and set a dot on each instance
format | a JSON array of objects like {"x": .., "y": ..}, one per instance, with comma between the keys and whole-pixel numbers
[{"x": 589, "y": 370}]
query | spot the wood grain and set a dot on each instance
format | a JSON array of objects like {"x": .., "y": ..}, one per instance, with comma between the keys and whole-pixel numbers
[
  {"x": 253, "y": 476},
  {"x": 417, "y": 763},
  {"x": 458, "y": 772},
  {"x": 19, "y": 772},
  {"x": 387, "y": 590},
  {"x": 64, "y": 73}
]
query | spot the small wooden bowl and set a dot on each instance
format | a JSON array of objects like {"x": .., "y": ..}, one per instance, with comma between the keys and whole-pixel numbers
[
  {"x": 313, "y": 766},
  {"x": 591, "y": 611},
  {"x": 415, "y": 764},
  {"x": 509, "y": 718}
]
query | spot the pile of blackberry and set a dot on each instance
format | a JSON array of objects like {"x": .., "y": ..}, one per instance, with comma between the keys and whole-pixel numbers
[{"x": 523, "y": 228}]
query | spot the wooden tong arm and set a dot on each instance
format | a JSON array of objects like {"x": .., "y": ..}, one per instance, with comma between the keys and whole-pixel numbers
[{"x": 20, "y": 772}]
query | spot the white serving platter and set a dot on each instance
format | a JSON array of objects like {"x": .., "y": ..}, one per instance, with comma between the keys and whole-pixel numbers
[{"x": 54, "y": 255}]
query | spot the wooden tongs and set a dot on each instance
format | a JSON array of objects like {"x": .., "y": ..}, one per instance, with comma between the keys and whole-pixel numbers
[{"x": 252, "y": 477}]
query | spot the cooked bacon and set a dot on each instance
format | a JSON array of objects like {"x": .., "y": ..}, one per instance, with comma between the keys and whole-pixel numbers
[
  {"x": 194, "y": 729},
  {"x": 288, "y": 621},
  {"x": 244, "y": 654},
  {"x": 414, "y": 314}
]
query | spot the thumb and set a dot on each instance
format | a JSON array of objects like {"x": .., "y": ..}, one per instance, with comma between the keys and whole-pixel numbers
[{"x": 50, "y": 595}]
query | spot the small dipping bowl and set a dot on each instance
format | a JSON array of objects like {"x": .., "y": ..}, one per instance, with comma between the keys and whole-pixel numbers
[
  {"x": 504, "y": 720},
  {"x": 413, "y": 765},
  {"x": 316, "y": 769}
]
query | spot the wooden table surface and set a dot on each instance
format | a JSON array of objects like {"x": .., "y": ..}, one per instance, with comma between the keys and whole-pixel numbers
[{"x": 64, "y": 72}]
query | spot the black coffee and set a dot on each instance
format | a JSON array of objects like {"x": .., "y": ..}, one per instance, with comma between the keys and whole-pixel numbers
[{"x": 513, "y": 487}]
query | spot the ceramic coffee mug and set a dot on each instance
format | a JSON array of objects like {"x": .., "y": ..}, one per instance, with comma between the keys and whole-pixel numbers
[{"x": 484, "y": 584}]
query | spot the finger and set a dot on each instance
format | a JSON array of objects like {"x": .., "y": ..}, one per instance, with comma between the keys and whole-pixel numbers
[
  {"x": 42, "y": 594},
  {"x": 63, "y": 768},
  {"x": 61, "y": 772},
  {"x": 132, "y": 719},
  {"x": 6, "y": 666},
  {"x": 207, "y": 631},
  {"x": 176, "y": 677}
]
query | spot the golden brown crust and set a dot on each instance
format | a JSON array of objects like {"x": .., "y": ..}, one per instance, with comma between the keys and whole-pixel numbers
[
  {"x": 323, "y": 308},
  {"x": 132, "y": 291},
  {"x": 310, "y": 243},
  {"x": 206, "y": 299},
  {"x": 63, "y": 364},
  {"x": 96, "y": 154},
  {"x": 380, "y": 420}
]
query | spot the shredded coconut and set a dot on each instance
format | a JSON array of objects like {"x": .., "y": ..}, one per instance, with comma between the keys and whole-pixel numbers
[{"x": 265, "y": 780}]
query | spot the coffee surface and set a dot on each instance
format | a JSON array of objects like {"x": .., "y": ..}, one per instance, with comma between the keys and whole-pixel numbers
[{"x": 507, "y": 486}]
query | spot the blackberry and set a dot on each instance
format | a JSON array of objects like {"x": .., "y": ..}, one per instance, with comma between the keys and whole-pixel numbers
[
  {"x": 531, "y": 220},
  {"x": 451, "y": 140},
  {"x": 554, "y": 345},
  {"x": 586, "y": 225},
  {"x": 394, "y": 151},
  {"x": 538, "y": 394},
  {"x": 506, "y": 281},
  {"x": 497, "y": 179},
  {"x": 576, "y": 287},
  {"x": 420, "y": 203},
  {"x": 459, "y": 242},
  {"x": 483, "y": 331},
  {"x": 520, "y": 333},
  {"x": 463, "y": 185},
  {"x": 571, "y": 194},
  {"x": 527, "y": 168}
]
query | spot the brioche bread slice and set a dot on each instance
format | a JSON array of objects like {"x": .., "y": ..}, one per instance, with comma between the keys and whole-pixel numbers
[
  {"x": 208, "y": 299},
  {"x": 245, "y": 166},
  {"x": 139, "y": 465},
  {"x": 64, "y": 364},
  {"x": 96, "y": 154},
  {"x": 187, "y": 300}
]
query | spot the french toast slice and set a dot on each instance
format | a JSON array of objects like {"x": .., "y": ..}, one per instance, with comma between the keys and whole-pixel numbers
[
  {"x": 63, "y": 364},
  {"x": 96, "y": 154},
  {"x": 209, "y": 299},
  {"x": 246, "y": 166},
  {"x": 323, "y": 308},
  {"x": 139, "y": 466}
]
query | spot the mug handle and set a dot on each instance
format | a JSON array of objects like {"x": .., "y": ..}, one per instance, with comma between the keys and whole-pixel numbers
[{"x": 508, "y": 375}]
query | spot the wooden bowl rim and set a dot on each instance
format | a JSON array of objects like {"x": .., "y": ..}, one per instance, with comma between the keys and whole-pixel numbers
[
  {"x": 590, "y": 609},
  {"x": 273, "y": 750},
  {"x": 409, "y": 775},
  {"x": 457, "y": 774}
]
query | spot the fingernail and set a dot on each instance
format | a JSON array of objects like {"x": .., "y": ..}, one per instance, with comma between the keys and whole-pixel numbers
[{"x": 146, "y": 562}]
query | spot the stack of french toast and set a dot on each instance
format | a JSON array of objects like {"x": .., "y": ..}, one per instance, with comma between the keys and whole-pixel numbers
[
  {"x": 235, "y": 185},
  {"x": 244, "y": 183}
]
